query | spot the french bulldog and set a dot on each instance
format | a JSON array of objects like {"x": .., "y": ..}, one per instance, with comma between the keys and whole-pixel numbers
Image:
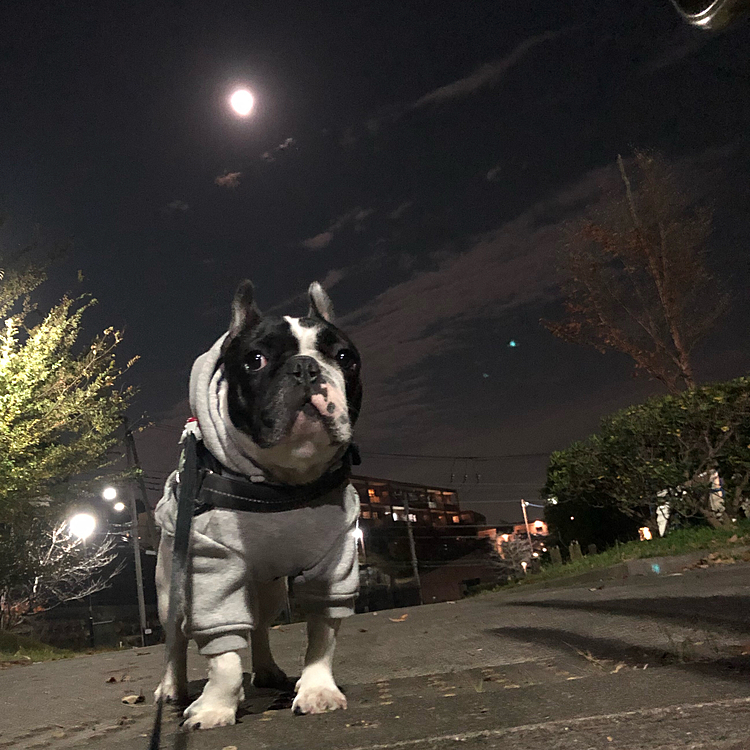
[{"x": 275, "y": 400}]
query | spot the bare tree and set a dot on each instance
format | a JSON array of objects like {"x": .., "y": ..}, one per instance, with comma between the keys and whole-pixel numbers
[
  {"x": 637, "y": 279},
  {"x": 50, "y": 567},
  {"x": 508, "y": 557}
]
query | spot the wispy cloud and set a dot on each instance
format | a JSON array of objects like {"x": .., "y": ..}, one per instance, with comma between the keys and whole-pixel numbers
[
  {"x": 426, "y": 316},
  {"x": 176, "y": 206},
  {"x": 400, "y": 210},
  {"x": 270, "y": 156},
  {"x": 356, "y": 218},
  {"x": 411, "y": 325},
  {"x": 318, "y": 242},
  {"x": 493, "y": 175},
  {"x": 228, "y": 180},
  {"x": 677, "y": 48},
  {"x": 489, "y": 74}
]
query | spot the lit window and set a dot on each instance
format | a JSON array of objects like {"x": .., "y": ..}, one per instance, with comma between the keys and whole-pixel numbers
[{"x": 456, "y": 519}]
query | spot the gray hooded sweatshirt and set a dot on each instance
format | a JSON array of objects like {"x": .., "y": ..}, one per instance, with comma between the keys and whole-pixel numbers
[{"x": 231, "y": 550}]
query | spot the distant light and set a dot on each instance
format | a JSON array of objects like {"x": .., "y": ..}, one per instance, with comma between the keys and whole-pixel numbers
[
  {"x": 552, "y": 500},
  {"x": 109, "y": 493},
  {"x": 512, "y": 344},
  {"x": 645, "y": 533},
  {"x": 544, "y": 549},
  {"x": 82, "y": 525},
  {"x": 242, "y": 102},
  {"x": 536, "y": 554},
  {"x": 572, "y": 518},
  {"x": 119, "y": 507}
]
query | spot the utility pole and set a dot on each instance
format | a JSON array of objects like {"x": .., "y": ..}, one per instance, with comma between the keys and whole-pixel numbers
[
  {"x": 134, "y": 533},
  {"x": 412, "y": 547},
  {"x": 153, "y": 537},
  {"x": 526, "y": 521}
]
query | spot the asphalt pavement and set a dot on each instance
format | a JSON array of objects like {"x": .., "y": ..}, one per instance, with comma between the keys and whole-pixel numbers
[{"x": 639, "y": 663}]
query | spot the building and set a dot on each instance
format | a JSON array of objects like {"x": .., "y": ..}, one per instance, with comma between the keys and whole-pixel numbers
[{"x": 384, "y": 502}]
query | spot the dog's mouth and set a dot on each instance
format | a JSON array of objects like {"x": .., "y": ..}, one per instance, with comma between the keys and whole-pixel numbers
[{"x": 309, "y": 421}]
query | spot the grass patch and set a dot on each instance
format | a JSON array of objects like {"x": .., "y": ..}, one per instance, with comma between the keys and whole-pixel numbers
[
  {"x": 677, "y": 542},
  {"x": 20, "y": 649}
]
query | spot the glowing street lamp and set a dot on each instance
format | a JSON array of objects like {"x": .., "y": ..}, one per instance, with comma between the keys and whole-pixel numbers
[
  {"x": 119, "y": 507},
  {"x": 82, "y": 525},
  {"x": 109, "y": 493}
]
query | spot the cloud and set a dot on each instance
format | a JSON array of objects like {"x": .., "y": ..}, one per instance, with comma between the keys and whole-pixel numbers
[
  {"x": 400, "y": 210},
  {"x": 333, "y": 277},
  {"x": 355, "y": 217},
  {"x": 493, "y": 175},
  {"x": 407, "y": 330},
  {"x": 486, "y": 75},
  {"x": 427, "y": 315},
  {"x": 228, "y": 180},
  {"x": 175, "y": 206},
  {"x": 680, "y": 46},
  {"x": 285, "y": 145},
  {"x": 318, "y": 242}
]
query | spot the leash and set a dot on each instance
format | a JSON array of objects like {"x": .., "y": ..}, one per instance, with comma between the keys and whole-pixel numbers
[{"x": 187, "y": 492}]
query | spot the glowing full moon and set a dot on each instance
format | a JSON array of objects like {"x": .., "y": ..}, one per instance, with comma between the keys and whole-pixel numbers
[{"x": 242, "y": 102}]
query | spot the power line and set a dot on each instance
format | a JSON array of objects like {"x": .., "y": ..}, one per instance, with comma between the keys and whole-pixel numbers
[
  {"x": 382, "y": 454},
  {"x": 454, "y": 458}
]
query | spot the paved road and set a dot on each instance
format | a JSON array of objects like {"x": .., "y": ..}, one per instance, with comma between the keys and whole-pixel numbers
[{"x": 641, "y": 664}]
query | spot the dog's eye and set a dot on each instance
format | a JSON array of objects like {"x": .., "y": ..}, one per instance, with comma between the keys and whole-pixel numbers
[
  {"x": 346, "y": 358},
  {"x": 255, "y": 361}
]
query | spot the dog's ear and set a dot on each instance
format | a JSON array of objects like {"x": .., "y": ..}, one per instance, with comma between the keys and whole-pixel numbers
[
  {"x": 245, "y": 313},
  {"x": 320, "y": 303}
]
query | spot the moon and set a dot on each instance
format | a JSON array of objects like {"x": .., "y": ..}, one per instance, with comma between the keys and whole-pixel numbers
[{"x": 242, "y": 102}]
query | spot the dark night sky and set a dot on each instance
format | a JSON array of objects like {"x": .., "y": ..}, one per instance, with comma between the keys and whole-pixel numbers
[{"x": 419, "y": 158}]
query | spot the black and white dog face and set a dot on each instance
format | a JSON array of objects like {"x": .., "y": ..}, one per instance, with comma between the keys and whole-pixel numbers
[{"x": 293, "y": 383}]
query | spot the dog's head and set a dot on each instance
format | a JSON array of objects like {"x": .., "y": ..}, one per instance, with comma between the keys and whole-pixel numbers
[{"x": 293, "y": 384}]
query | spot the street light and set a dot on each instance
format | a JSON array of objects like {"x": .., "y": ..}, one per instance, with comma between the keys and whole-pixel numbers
[
  {"x": 119, "y": 507},
  {"x": 109, "y": 493},
  {"x": 82, "y": 525}
]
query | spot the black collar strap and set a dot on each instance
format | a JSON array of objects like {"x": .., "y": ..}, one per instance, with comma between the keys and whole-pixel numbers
[{"x": 221, "y": 488}]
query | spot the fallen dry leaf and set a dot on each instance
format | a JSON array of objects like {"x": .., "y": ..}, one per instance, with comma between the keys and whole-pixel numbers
[
  {"x": 398, "y": 619},
  {"x": 229, "y": 747},
  {"x": 131, "y": 700}
]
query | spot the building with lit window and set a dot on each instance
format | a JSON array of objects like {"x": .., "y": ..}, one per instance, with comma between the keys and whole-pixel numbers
[{"x": 384, "y": 502}]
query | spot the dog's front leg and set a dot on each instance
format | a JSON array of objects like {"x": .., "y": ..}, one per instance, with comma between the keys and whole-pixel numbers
[
  {"x": 266, "y": 673},
  {"x": 217, "y": 705},
  {"x": 316, "y": 689}
]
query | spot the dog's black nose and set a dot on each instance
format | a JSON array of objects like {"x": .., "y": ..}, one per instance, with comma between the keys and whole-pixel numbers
[{"x": 305, "y": 370}]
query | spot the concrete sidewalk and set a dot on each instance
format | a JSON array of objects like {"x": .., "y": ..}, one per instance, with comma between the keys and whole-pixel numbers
[{"x": 643, "y": 663}]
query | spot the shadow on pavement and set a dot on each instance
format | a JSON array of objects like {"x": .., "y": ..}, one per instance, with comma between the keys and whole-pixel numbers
[
  {"x": 729, "y": 612},
  {"x": 608, "y": 652},
  {"x": 257, "y": 700}
]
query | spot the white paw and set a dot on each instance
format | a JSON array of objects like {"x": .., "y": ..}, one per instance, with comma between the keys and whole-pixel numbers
[
  {"x": 171, "y": 690},
  {"x": 317, "y": 698},
  {"x": 204, "y": 715}
]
